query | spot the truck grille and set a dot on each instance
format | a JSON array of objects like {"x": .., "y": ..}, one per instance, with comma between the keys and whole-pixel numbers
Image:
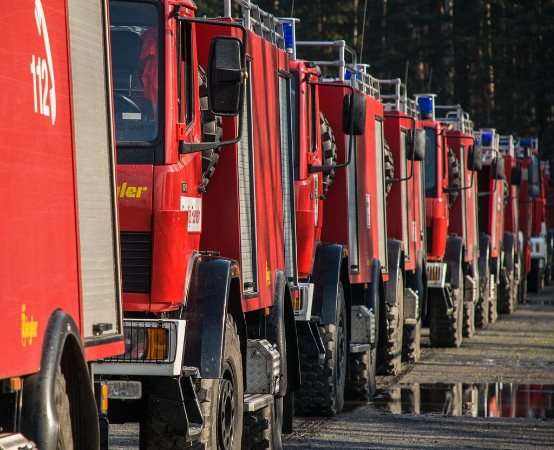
[{"x": 136, "y": 261}]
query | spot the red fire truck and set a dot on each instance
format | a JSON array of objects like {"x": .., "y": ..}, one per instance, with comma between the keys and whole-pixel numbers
[
  {"x": 445, "y": 255},
  {"x": 59, "y": 265},
  {"x": 340, "y": 227},
  {"x": 512, "y": 266},
  {"x": 533, "y": 212},
  {"x": 406, "y": 244},
  {"x": 491, "y": 223},
  {"x": 465, "y": 161}
]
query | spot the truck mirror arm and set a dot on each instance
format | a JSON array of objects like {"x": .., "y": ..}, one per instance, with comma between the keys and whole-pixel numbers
[
  {"x": 409, "y": 177},
  {"x": 463, "y": 188}
]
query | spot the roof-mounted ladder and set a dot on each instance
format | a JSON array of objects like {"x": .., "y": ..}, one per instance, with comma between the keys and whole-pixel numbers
[
  {"x": 257, "y": 20},
  {"x": 455, "y": 115},
  {"x": 394, "y": 96}
]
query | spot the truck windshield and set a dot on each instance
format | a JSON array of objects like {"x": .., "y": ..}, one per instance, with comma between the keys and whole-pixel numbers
[
  {"x": 135, "y": 43},
  {"x": 430, "y": 162}
]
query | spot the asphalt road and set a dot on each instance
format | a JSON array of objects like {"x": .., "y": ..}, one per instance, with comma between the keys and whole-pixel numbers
[{"x": 450, "y": 399}]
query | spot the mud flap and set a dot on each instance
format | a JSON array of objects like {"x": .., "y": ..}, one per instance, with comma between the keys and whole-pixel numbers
[
  {"x": 411, "y": 307},
  {"x": 394, "y": 249},
  {"x": 313, "y": 344},
  {"x": 326, "y": 278}
]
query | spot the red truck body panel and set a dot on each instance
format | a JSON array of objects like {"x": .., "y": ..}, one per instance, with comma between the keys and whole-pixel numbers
[
  {"x": 463, "y": 214},
  {"x": 405, "y": 196},
  {"x": 370, "y": 211},
  {"x": 39, "y": 245}
]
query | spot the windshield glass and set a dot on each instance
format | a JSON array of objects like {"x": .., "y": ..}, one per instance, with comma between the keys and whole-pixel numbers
[
  {"x": 430, "y": 162},
  {"x": 135, "y": 41}
]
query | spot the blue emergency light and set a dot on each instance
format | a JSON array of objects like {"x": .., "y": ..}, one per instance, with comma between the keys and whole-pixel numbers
[
  {"x": 486, "y": 138},
  {"x": 426, "y": 106},
  {"x": 289, "y": 35}
]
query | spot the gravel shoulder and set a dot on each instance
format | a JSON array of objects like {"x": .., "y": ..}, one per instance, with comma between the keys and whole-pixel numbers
[{"x": 517, "y": 349}]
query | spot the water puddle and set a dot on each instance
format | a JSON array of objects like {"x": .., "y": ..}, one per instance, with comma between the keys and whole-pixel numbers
[{"x": 473, "y": 400}]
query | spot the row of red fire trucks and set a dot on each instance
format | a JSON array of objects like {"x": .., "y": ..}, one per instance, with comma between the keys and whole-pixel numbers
[{"x": 238, "y": 226}]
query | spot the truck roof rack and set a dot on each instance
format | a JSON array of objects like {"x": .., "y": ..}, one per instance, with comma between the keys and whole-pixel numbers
[
  {"x": 357, "y": 74},
  {"x": 394, "y": 96},
  {"x": 258, "y": 21},
  {"x": 455, "y": 115}
]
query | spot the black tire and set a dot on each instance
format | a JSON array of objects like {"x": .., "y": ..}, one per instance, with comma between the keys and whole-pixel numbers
[
  {"x": 389, "y": 168},
  {"x": 322, "y": 390},
  {"x": 493, "y": 304},
  {"x": 446, "y": 330},
  {"x": 392, "y": 333},
  {"x": 63, "y": 413},
  {"x": 257, "y": 431},
  {"x": 507, "y": 293},
  {"x": 454, "y": 176},
  {"x": 212, "y": 131},
  {"x": 522, "y": 292},
  {"x": 469, "y": 319},
  {"x": 482, "y": 305},
  {"x": 411, "y": 343},
  {"x": 362, "y": 380},
  {"x": 535, "y": 280},
  {"x": 329, "y": 151}
]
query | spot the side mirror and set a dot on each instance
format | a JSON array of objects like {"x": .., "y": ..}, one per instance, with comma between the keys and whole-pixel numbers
[
  {"x": 225, "y": 76},
  {"x": 353, "y": 114},
  {"x": 515, "y": 177},
  {"x": 474, "y": 159},
  {"x": 417, "y": 149},
  {"x": 498, "y": 169},
  {"x": 533, "y": 172},
  {"x": 534, "y": 190}
]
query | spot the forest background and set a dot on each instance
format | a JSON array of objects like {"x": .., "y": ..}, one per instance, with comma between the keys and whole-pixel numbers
[{"x": 494, "y": 57}]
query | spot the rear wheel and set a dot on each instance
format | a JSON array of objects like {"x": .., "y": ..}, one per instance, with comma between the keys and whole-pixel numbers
[
  {"x": 322, "y": 390},
  {"x": 445, "y": 328}
]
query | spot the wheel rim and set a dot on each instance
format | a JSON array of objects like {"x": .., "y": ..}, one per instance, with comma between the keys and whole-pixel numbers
[{"x": 226, "y": 411}]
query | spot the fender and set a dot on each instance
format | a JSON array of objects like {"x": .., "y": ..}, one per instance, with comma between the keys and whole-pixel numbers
[
  {"x": 394, "y": 249},
  {"x": 205, "y": 310},
  {"x": 453, "y": 256},
  {"x": 40, "y": 422},
  {"x": 326, "y": 278},
  {"x": 484, "y": 254},
  {"x": 509, "y": 248}
]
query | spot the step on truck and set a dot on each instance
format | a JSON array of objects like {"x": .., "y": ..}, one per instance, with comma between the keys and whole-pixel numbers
[
  {"x": 464, "y": 162},
  {"x": 444, "y": 267},
  {"x": 405, "y": 227},
  {"x": 204, "y": 144},
  {"x": 349, "y": 261},
  {"x": 492, "y": 194},
  {"x": 512, "y": 242},
  {"x": 59, "y": 265},
  {"x": 534, "y": 213}
]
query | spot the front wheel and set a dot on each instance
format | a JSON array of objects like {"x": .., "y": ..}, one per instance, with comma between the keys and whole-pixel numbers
[
  {"x": 392, "y": 334},
  {"x": 322, "y": 390},
  {"x": 63, "y": 412},
  {"x": 445, "y": 328}
]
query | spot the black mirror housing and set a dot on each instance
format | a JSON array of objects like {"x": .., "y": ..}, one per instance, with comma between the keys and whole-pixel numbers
[
  {"x": 515, "y": 177},
  {"x": 353, "y": 114},
  {"x": 474, "y": 159},
  {"x": 225, "y": 76},
  {"x": 498, "y": 169},
  {"x": 416, "y": 151},
  {"x": 534, "y": 190}
]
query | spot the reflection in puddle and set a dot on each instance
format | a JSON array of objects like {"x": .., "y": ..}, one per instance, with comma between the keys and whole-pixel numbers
[{"x": 475, "y": 400}]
